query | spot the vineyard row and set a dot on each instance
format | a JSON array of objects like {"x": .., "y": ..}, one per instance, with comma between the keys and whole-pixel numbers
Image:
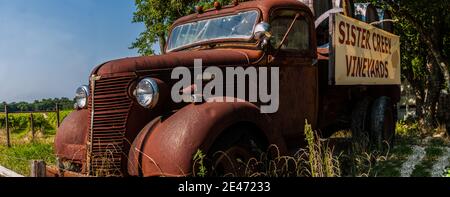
[{"x": 41, "y": 121}]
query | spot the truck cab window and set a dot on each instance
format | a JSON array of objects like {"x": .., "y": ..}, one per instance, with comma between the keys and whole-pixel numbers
[{"x": 299, "y": 37}]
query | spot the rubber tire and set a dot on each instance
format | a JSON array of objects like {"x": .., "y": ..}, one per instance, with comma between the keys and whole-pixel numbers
[
  {"x": 235, "y": 138},
  {"x": 360, "y": 122},
  {"x": 382, "y": 123}
]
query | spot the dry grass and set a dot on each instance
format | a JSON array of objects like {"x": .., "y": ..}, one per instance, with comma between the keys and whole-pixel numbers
[
  {"x": 356, "y": 158},
  {"x": 107, "y": 167},
  {"x": 317, "y": 160}
]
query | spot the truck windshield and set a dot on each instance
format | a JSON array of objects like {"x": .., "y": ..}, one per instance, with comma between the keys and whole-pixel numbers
[{"x": 239, "y": 26}]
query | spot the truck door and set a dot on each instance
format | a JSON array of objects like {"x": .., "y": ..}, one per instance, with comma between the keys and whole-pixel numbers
[{"x": 298, "y": 72}]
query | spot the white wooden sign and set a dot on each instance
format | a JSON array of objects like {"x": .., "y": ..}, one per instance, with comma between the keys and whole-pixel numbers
[{"x": 363, "y": 54}]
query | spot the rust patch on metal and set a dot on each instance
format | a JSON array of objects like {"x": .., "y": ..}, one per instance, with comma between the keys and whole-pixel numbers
[{"x": 70, "y": 139}]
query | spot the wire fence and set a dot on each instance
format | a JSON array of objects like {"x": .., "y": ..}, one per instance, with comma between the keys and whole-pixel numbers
[
  {"x": 32, "y": 120},
  {"x": 22, "y": 151},
  {"x": 18, "y": 159}
]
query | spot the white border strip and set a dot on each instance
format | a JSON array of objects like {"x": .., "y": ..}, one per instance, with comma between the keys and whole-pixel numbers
[{"x": 5, "y": 172}]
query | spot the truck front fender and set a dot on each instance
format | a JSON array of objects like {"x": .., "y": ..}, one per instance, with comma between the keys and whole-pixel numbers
[
  {"x": 71, "y": 136},
  {"x": 165, "y": 147}
]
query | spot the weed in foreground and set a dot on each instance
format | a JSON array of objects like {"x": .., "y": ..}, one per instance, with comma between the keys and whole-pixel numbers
[{"x": 317, "y": 160}]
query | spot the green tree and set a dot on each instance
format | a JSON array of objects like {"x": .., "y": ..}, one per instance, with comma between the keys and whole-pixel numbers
[
  {"x": 39, "y": 105},
  {"x": 431, "y": 20},
  {"x": 23, "y": 106},
  {"x": 424, "y": 28},
  {"x": 158, "y": 16}
]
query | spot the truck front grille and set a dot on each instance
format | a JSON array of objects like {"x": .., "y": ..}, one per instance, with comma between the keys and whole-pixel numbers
[{"x": 109, "y": 106}]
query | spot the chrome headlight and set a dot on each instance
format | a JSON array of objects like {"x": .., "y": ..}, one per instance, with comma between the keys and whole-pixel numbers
[
  {"x": 147, "y": 93},
  {"x": 81, "y": 97}
]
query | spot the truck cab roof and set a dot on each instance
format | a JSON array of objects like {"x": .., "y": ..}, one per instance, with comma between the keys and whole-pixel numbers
[{"x": 264, "y": 7}]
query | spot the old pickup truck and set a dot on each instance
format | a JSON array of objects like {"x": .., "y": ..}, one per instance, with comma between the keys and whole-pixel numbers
[{"x": 127, "y": 122}]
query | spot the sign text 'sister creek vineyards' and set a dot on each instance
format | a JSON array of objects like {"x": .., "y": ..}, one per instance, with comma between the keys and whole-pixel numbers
[{"x": 364, "y": 54}]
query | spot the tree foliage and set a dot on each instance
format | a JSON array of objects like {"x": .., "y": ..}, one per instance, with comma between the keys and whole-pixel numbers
[
  {"x": 39, "y": 105},
  {"x": 158, "y": 16},
  {"x": 424, "y": 28}
]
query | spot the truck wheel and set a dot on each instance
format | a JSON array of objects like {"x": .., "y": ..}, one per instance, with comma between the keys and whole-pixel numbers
[
  {"x": 360, "y": 123},
  {"x": 231, "y": 153},
  {"x": 382, "y": 131}
]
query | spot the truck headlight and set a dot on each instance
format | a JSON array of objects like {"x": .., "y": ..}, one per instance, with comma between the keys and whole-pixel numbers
[
  {"x": 81, "y": 97},
  {"x": 147, "y": 93}
]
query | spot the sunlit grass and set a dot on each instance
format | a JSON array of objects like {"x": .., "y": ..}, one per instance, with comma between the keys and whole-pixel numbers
[{"x": 23, "y": 150}]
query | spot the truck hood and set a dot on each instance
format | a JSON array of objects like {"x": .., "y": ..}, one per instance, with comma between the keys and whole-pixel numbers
[{"x": 214, "y": 57}]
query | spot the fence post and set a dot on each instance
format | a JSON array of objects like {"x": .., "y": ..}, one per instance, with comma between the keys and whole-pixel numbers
[
  {"x": 32, "y": 127},
  {"x": 38, "y": 168},
  {"x": 57, "y": 115},
  {"x": 8, "y": 142}
]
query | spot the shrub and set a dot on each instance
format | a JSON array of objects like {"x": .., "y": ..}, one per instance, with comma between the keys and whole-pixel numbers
[{"x": 406, "y": 129}]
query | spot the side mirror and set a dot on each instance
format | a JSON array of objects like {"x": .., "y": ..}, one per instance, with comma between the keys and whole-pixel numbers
[{"x": 262, "y": 33}]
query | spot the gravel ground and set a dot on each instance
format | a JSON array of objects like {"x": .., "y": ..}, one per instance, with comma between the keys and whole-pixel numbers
[
  {"x": 419, "y": 154},
  {"x": 441, "y": 164},
  {"x": 414, "y": 159}
]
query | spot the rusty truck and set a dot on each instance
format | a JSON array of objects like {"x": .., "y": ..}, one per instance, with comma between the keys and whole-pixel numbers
[{"x": 345, "y": 77}]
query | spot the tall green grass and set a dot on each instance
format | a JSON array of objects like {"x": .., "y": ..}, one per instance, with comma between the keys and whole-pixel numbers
[
  {"x": 24, "y": 149},
  {"x": 322, "y": 162},
  {"x": 18, "y": 157}
]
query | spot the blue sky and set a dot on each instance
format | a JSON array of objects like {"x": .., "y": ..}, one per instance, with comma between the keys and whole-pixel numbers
[{"x": 49, "y": 47}]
